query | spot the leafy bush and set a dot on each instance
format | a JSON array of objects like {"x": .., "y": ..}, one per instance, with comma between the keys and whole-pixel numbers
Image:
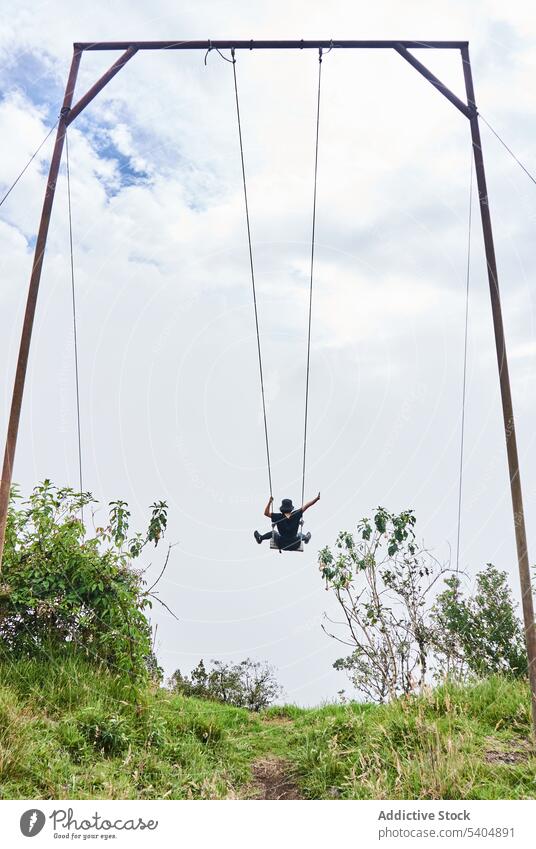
[
  {"x": 59, "y": 586},
  {"x": 381, "y": 578},
  {"x": 481, "y": 634},
  {"x": 107, "y": 734},
  {"x": 246, "y": 684}
]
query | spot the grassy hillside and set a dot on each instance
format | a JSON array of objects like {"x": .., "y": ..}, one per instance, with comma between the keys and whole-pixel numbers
[{"x": 69, "y": 731}]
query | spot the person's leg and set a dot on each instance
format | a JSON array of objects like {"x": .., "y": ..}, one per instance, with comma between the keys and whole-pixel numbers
[
  {"x": 260, "y": 537},
  {"x": 306, "y": 537}
]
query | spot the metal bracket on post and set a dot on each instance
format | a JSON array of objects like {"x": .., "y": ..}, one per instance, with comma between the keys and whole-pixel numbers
[
  {"x": 101, "y": 82},
  {"x": 427, "y": 74}
]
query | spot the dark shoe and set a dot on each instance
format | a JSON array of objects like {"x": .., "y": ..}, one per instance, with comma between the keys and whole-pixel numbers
[
  {"x": 258, "y": 537},
  {"x": 307, "y": 537}
]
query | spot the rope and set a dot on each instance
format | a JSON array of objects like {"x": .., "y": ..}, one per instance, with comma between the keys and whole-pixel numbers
[
  {"x": 252, "y": 271},
  {"x": 510, "y": 151},
  {"x": 311, "y": 275},
  {"x": 31, "y": 159},
  {"x": 464, "y": 383},
  {"x": 74, "y": 320}
]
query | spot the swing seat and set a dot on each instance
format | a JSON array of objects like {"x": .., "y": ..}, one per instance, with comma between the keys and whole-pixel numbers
[{"x": 295, "y": 545}]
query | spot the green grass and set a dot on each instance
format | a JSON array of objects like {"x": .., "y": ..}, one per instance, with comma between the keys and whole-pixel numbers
[{"x": 68, "y": 730}]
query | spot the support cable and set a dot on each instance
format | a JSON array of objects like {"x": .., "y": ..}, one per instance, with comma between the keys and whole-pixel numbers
[
  {"x": 31, "y": 159},
  {"x": 73, "y": 292},
  {"x": 252, "y": 271},
  {"x": 313, "y": 228},
  {"x": 510, "y": 151},
  {"x": 464, "y": 382}
]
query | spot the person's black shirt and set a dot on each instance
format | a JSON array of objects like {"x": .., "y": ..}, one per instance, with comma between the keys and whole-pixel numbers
[{"x": 287, "y": 528}]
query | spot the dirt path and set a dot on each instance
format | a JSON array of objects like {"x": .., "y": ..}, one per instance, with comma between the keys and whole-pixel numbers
[
  {"x": 513, "y": 755},
  {"x": 272, "y": 779}
]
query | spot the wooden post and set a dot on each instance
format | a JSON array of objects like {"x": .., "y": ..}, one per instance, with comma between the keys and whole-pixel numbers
[
  {"x": 506, "y": 395},
  {"x": 67, "y": 115},
  {"x": 33, "y": 289}
]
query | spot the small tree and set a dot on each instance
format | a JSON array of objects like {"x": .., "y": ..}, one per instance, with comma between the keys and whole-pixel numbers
[
  {"x": 248, "y": 684},
  {"x": 58, "y": 586},
  {"x": 481, "y": 634},
  {"x": 381, "y": 579}
]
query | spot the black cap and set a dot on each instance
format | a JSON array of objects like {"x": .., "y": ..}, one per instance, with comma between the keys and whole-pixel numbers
[{"x": 286, "y": 506}]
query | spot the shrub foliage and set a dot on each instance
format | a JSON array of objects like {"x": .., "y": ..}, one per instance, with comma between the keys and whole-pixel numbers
[
  {"x": 480, "y": 634},
  {"x": 381, "y": 578},
  {"x": 385, "y": 583},
  {"x": 60, "y": 586},
  {"x": 248, "y": 684}
]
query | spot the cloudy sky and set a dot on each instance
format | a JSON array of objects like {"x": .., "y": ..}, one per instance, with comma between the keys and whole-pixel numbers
[{"x": 170, "y": 396}]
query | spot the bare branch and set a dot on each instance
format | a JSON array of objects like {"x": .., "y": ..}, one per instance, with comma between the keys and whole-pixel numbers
[
  {"x": 163, "y": 567},
  {"x": 163, "y": 603}
]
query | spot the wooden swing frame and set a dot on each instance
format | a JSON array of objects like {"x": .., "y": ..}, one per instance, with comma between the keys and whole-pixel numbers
[{"x": 68, "y": 114}]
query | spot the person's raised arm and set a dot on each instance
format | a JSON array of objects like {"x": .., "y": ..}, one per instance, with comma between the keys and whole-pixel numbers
[
  {"x": 310, "y": 503},
  {"x": 268, "y": 508}
]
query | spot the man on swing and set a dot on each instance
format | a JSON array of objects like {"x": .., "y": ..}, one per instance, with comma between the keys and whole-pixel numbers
[{"x": 288, "y": 521}]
